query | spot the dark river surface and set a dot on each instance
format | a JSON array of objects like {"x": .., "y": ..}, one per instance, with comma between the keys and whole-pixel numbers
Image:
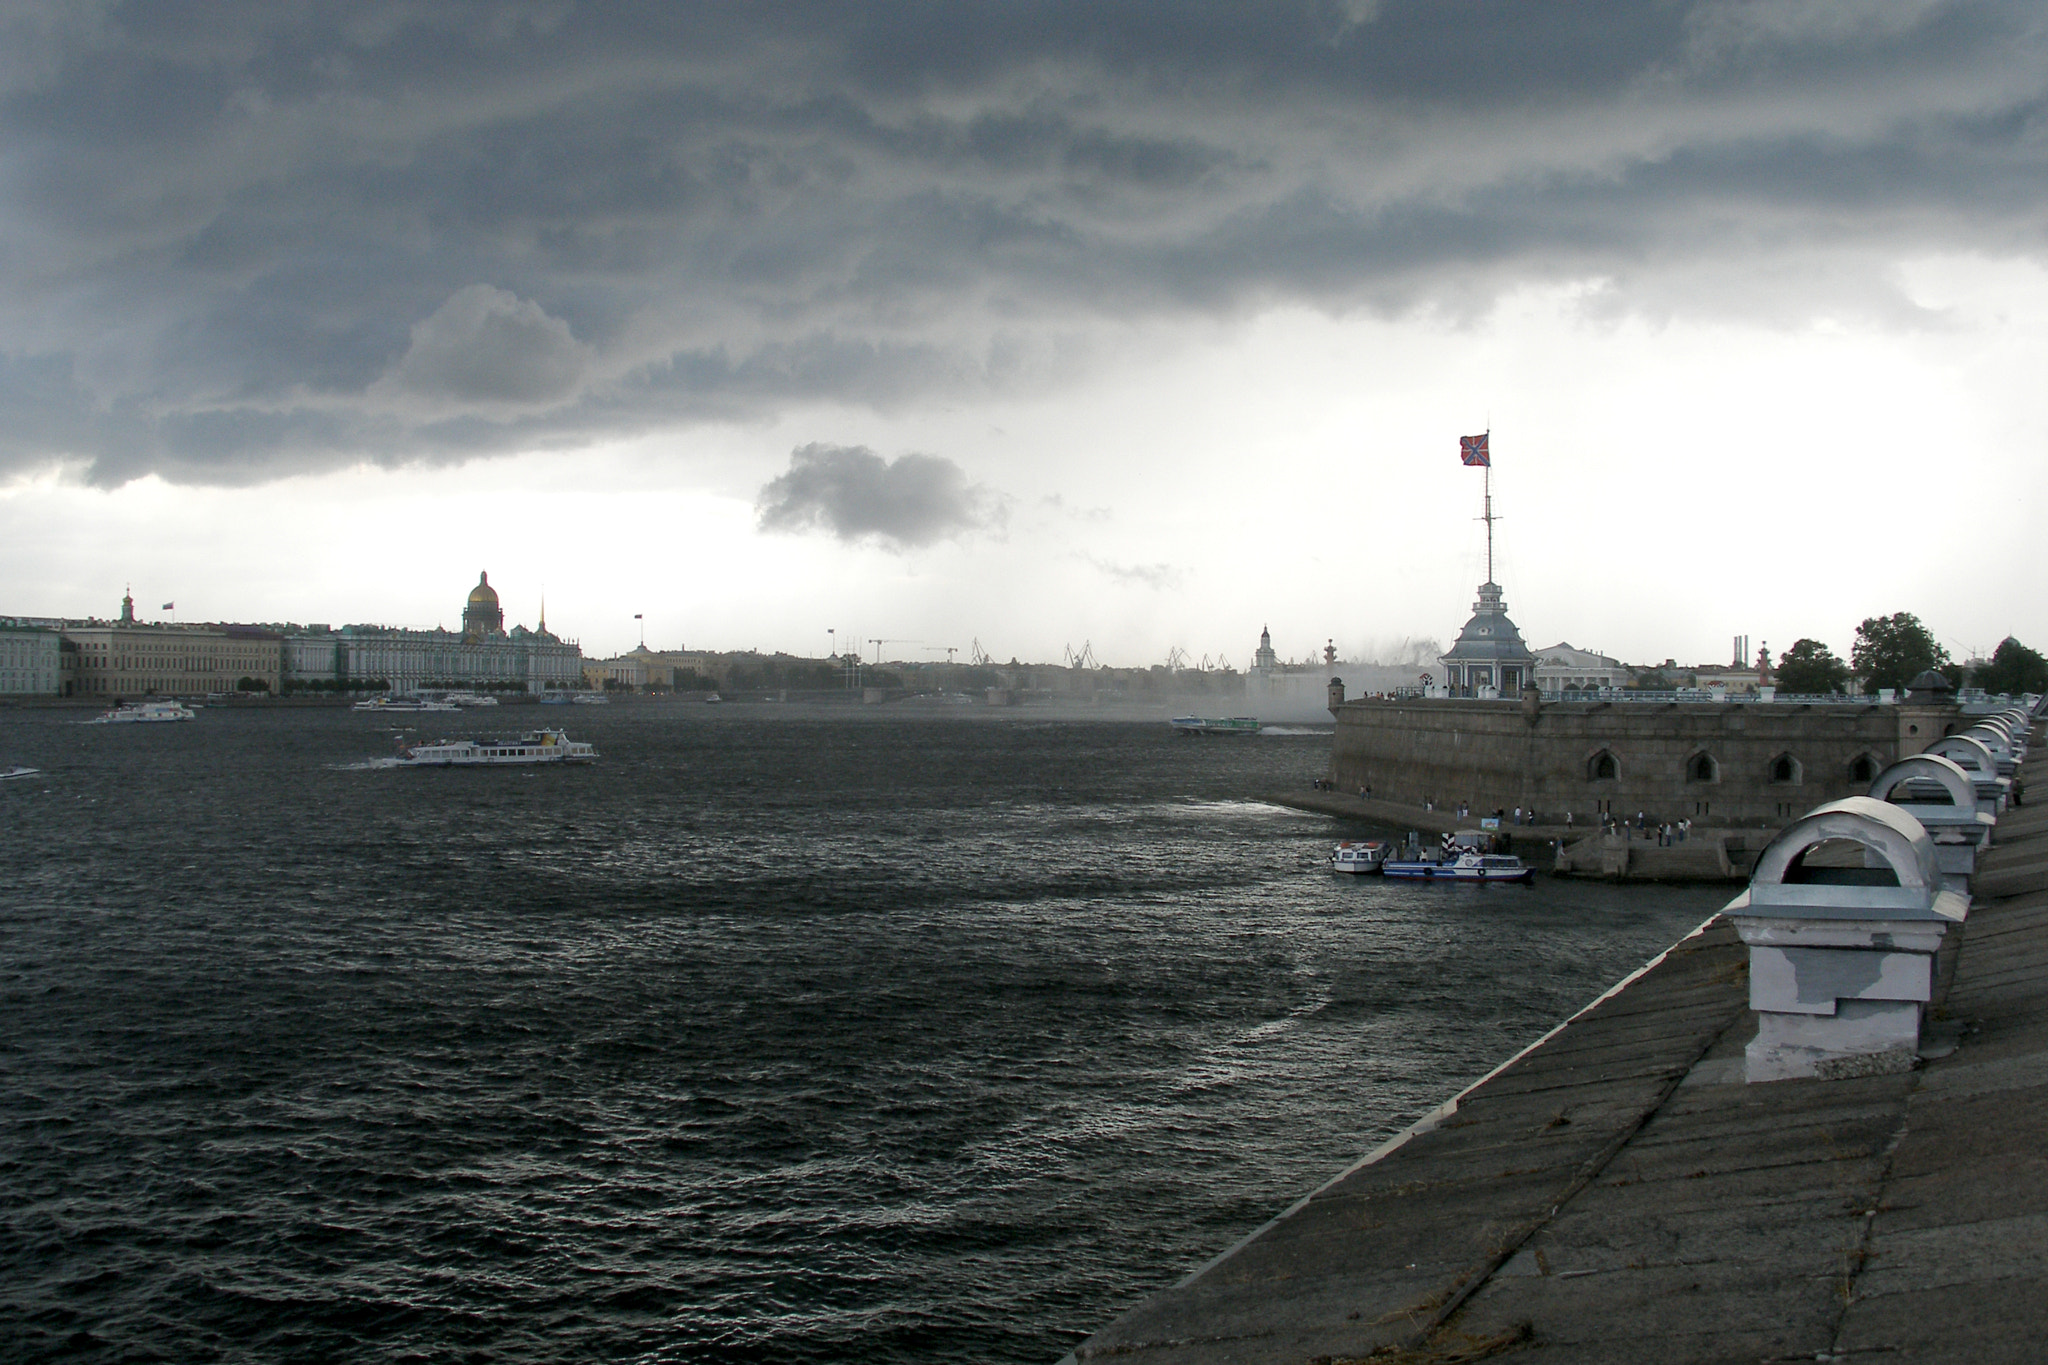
[{"x": 778, "y": 1034}]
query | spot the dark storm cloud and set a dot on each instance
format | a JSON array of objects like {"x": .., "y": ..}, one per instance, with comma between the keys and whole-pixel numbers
[
  {"x": 855, "y": 494},
  {"x": 240, "y": 240}
]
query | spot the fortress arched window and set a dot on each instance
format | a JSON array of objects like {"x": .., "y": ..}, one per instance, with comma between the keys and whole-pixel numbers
[
  {"x": 1785, "y": 769},
  {"x": 1863, "y": 770},
  {"x": 1701, "y": 767},
  {"x": 1603, "y": 767}
]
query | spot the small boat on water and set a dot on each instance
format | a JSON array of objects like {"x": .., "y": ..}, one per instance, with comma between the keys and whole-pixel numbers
[
  {"x": 538, "y": 746},
  {"x": 1466, "y": 867},
  {"x": 397, "y": 705},
  {"x": 1201, "y": 725},
  {"x": 1360, "y": 856},
  {"x": 468, "y": 699},
  {"x": 714, "y": 699},
  {"x": 9, "y": 774},
  {"x": 145, "y": 713}
]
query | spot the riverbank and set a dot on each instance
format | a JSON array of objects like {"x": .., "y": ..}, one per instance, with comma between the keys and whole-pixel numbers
[
  {"x": 1617, "y": 1193},
  {"x": 1709, "y": 855}
]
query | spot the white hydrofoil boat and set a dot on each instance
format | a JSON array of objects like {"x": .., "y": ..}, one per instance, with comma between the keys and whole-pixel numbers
[{"x": 540, "y": 746}]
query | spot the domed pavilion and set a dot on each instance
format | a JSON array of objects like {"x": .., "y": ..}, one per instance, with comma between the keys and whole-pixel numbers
[{"x": 1489, "y": 658}]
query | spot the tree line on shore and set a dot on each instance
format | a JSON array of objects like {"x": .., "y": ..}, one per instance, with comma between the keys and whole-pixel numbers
[{"x": 1890, "y": 651}]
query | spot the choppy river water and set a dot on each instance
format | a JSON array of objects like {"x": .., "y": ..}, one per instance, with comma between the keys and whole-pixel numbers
[{"x": 776, "y": 1035}]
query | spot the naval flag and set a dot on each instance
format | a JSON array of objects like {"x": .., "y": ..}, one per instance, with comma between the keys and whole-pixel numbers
[
  {"x": 1472, "y": 450},
  {"x": 170, "y": 606}
]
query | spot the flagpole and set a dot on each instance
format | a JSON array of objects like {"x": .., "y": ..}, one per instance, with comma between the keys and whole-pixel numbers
[{"x": 1489, "y": 503}]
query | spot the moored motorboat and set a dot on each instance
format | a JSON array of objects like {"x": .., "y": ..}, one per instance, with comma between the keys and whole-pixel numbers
[
  {"x": 538, "y": 746},
  {"x": 9, "y": 774},
  {"x": 145, "y": 713},
  {"x": 1360, "y": 856},
  {"x": 1466, "y": 867}
]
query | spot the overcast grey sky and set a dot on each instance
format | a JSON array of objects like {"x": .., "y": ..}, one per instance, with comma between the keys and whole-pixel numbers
[{"x": 856, "y": 315}]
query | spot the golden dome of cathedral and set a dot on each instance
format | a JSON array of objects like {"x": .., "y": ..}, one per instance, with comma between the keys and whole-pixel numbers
[{"x": 480, "y": 615}]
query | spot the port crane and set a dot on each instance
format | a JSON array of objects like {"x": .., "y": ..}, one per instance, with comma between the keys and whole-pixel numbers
[{"x": 1085, "y": 659}]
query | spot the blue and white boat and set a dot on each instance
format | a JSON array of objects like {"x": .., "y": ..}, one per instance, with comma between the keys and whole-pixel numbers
[{"x": 1466, "y": 867}]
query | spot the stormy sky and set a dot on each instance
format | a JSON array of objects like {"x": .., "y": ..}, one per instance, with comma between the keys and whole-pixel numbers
[{"x": 1146, "y": 324}]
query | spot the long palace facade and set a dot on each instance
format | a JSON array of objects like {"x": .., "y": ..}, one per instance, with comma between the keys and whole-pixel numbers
[{"x": 127, "y": 657}]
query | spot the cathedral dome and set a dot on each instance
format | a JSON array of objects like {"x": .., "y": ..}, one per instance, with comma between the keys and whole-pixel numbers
[{"x": 480, "y": 615}]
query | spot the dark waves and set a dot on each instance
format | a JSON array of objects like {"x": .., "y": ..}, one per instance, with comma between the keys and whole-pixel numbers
[{"x": 799, "y": 1038}]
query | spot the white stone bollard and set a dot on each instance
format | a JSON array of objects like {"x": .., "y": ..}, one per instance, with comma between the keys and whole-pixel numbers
[
  {"x": 1841, "y": 958},
  {"x": 1972, "y": 757},
  {"x": 1939, "y": 794}
]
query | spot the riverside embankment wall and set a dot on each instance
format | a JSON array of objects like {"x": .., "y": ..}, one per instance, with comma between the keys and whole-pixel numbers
[
  {"x": 1712, "y": 763},
  {"x": 1617, "y": 1193}
]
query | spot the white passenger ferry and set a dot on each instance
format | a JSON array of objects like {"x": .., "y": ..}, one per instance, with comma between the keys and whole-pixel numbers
[
  {"x": 540, "y": 746},
  {"x": 145, "y": 713},
  {"x": 468, "y": 699},
  {"x": 397, "y": 704}
]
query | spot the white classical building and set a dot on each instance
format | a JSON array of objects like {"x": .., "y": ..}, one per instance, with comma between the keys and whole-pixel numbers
[
  {"x": 483, "y": 655},
  {"x": 1564, "y": 671},
  {"x": 31, "y": 660}
]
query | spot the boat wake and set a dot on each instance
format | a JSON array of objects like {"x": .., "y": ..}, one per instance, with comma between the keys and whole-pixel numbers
[{"x": 367, "y": 765}]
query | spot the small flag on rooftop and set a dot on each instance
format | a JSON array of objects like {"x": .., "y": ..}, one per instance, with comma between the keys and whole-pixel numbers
[{"x": 1472, "y": 450}]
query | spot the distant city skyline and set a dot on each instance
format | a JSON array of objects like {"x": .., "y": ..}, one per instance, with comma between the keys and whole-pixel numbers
[{"x": 1038, "y": 325}]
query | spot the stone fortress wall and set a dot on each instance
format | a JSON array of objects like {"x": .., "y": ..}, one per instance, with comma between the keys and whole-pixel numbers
[{"x": 1717, "y": 764}]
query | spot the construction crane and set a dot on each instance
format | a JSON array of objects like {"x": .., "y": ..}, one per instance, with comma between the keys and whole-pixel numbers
[
  {"x": 878, "y": 641},
  {"x": 948, "y": 650}
]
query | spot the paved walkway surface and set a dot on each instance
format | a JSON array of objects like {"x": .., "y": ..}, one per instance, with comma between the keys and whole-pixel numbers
[{"x": 1617, "y": 1194}]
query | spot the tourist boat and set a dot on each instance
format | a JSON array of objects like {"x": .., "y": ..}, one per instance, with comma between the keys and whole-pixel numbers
[
  {"x": 10, "y": 774},
  {"x": 539, "y": 746},
  {"x": 468, "y": 699},
  {"x": 1359, "y": 855},
  {"x": 145, "y": 713},
  {"x": 404, "y": 705},
  {"x": 1466, "y": 867},
  {"x": 1198, "y": 725}
]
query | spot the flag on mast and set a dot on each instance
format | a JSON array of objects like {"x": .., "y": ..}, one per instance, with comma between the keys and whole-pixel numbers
[
  {"x": 1472, "y": 450},
  {"x": 170, "y": 606}
]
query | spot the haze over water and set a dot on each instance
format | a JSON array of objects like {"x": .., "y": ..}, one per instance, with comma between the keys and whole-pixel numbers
[{"x": 776, "y": 1035}]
